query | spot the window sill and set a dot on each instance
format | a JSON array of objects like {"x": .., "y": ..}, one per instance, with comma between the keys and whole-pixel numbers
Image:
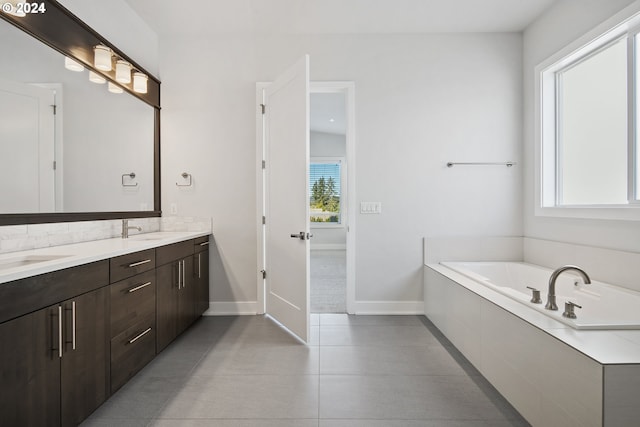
[
  {"x": 617, "y": 213},
  {"x": 320, "y": 225}
]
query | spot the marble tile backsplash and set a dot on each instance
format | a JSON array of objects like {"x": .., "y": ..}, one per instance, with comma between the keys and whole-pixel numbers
[{"x": 14, "y": 238}]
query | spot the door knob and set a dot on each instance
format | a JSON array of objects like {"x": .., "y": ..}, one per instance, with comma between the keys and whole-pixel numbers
[{"x": 299, "y": 235}]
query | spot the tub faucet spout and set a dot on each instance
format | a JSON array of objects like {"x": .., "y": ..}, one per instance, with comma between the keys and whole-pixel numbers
[{"x": 551, "y": 296}]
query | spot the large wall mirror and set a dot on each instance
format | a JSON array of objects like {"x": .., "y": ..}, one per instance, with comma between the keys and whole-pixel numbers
[{"x": 74, "y": 145}]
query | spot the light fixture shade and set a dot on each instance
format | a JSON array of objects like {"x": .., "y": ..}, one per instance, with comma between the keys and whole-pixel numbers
[
  {"x": 97, "y": 78},
  {"x": 140, "y": 82},
  {"x": 102, "y": 57},
  {"x": 123, "y": 71},
  {"x": 114, "y": 88},
  {"x": 11, "y": 8},
  {"x": 72, "y": 64}
]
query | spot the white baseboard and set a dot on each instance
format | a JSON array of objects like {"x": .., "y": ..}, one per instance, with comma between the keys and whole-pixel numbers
[
  {"x": 328, "y": 247},
  {"x": 389, "y": 307},
  {"x": 232, "y": 308}
]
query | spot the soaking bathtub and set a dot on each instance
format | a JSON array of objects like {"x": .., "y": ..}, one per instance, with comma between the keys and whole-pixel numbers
[{"x": 604, "y": 306}]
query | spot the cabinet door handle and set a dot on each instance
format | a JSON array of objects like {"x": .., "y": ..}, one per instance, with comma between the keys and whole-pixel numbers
[
  {"x": 73, "y": 325},
  {"x": 179, "y": 273},
  {"x": 137, "y": 288},
  {"x": 199, "y": 268},
  {"x": 204, "y": 244},
  {"x": 60, "y": 331},
  {"x": 140, "y": 335},
  {"x": 135, "y": 264},
  {"x": 183, "y": 269}
]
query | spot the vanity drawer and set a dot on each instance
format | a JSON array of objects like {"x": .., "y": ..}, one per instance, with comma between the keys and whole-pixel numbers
[
  {"x": 131, "y": 350},
  {"x": 131, "y": 300},
  {"x": 176, "y": 251},
  {"x": 201, "y": 244},
  {"x": 131, "y": 264}
]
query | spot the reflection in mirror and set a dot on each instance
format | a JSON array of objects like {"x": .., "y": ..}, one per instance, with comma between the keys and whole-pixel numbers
[{"x": 68, "y": 144}]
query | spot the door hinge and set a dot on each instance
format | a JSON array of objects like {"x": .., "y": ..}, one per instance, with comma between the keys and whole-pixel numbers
[
  {"x": 55, "y": 164},
  {"x": 55, "y": 108},
  {"x": 264, "y": 274},
  {"x": 263, "y": 107},
  {"x": 264, "y": 164},
  {"x": 264, "y": 219}
]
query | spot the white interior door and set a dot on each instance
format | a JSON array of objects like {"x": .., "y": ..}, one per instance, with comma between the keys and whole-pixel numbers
[
  {"x": 27, "y": 181},
  {"x": 286, "y": 131}
]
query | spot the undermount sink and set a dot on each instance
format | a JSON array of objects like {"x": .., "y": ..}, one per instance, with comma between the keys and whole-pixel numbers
[{"x": 21, "y": 261}]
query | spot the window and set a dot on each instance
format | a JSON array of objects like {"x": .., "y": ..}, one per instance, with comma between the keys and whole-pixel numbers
[
  {"x": 325, "y": 191},
  {"x": 589, "y": 157}
]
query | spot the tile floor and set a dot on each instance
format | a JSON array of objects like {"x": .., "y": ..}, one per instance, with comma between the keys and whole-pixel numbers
[
  {"x": 357, "y": 371},
  {"x": 328, "y": 281}
]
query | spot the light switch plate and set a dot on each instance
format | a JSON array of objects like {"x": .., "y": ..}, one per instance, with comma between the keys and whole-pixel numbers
[{"x": 370, "y": 207}]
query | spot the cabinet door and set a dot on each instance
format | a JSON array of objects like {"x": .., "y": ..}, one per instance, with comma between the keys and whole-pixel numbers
[
  {"x": 166, "y": 304},
  {"x": 85, "y": 360},
  {"x": 201, "y": 274},
  {"x": 187, "y": 295},
  {"x": 30, "y": 365}
]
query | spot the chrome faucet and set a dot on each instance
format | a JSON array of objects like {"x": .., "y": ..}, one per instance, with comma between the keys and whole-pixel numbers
[
  {"x": 551, "y": 296},
  {"x": 126, "y": 227}
]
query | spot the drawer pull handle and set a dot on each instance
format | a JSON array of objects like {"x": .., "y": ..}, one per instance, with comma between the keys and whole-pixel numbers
[
  {"x": 137, "y": 288},
  {"x": 135, "y": 264},
  {"x": 140, "y": 335},
  {"x": 204, "y": 244}
]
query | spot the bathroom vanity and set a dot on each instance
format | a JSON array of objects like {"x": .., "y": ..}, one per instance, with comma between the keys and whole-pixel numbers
[{"x": 78, "y": 321}]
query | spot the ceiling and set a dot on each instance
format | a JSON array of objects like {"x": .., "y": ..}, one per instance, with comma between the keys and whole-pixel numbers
[
  {"x": 328, "y": 113},
  {"x": 170, "y": 17}
]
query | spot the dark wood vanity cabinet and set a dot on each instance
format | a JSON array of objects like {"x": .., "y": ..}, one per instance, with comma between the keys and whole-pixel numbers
[
  {"x": 175, "y": 303},
  {"x": 72, "y": 337},
  {"x": 55, "y": 360},
  {"x": 201, "y": 274}
]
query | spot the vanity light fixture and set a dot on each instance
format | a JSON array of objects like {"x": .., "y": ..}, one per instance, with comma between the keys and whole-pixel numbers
[
  {"x": 140, "y": 82},
  {"x": 102, "y": 57},
  {"x": 114, "y": 88},
  {"x": 123, "y": 71},
  {"x": 11, "y": 8},
  {"x": 73, "y": 65},
  {"x": 96, "y": 78}
]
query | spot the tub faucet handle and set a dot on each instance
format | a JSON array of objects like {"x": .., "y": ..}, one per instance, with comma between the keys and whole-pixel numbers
[
  {"x": 569, "y": 309},
  {"x": 535, "y": 295}
]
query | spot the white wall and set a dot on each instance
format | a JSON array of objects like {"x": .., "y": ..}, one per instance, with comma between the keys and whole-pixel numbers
[
  {"x": 322, "y": 144},
  {"x": 421, "y": 100},
  {"x": 567, "y": 21}
]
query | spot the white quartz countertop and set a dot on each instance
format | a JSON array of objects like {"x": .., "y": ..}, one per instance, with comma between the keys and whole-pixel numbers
[
  {"x": 19, "y": 265},
  {"x": 608, "y": 347}
]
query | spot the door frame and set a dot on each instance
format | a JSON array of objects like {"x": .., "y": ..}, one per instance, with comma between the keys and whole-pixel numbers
[{"x": 348, "y": 89}]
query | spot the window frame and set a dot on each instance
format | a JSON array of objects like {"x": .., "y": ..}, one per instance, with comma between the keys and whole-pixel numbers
[
  {"x": 547, "y": 105},
  {"x": 343, "y": 191}
]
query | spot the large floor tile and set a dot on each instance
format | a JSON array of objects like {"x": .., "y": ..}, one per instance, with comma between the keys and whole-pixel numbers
[
  {"x": 235, "y": 423},
  {"x": 411, "y": 360},
  {"x": 404, "y": 423},
  {"x": 141, "y": 398},
  {"x": 110, "y": 422},
  {"x": 380, "y": 335},
  {"x": 404, "y": 397},
  {"x": 250, "y": 359},
  {"x": 334, "y": 319},
  {"x": 248, "y": 396}
]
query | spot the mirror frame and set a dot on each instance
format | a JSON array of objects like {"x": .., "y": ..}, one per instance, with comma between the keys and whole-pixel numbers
[{"x": 63, "y": 31}]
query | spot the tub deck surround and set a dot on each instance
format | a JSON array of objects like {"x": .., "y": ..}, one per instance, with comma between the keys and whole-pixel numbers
[
  {"x": 550, "y": 372},
  {"x": 19, "y": 265},
  {"x": 603, "y": 306},
  {"x": 607, "y": 347}
]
